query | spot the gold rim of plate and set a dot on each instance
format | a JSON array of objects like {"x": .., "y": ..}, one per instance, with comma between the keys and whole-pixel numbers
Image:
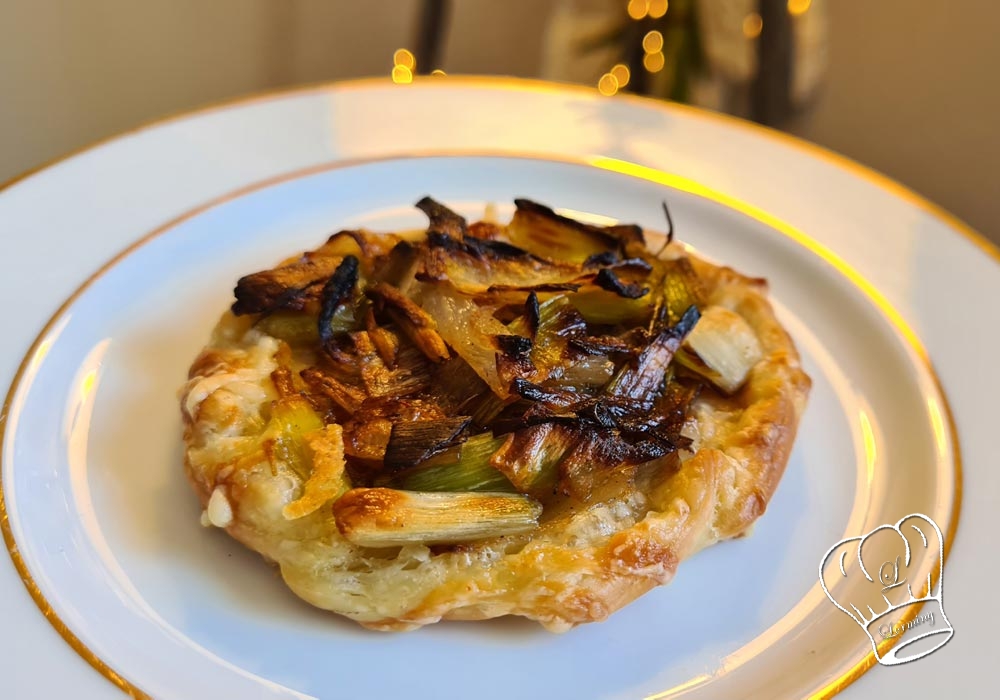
[{"x": 609, "y": 164}]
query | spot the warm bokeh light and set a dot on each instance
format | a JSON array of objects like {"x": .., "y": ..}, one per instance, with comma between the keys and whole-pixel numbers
[
  {"x": 653, "y": 62},
  {"x": 752, "y": 25},
  {"x": 608, "y": 84},
  {"x": 657, "y": 8},
  {"x": 622, "y": 74},
  {"x": 438, "y": 71},
  {"x": 637, "y": 9},
  {"x": 798, "y": 7},
  {"x": 404, "y": 58},
  {"x": 652, "y": 42},
  {"x": 401, "y": 74}
]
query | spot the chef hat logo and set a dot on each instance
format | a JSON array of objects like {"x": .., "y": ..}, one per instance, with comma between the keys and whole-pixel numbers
[{"x": 891, "y": 583}]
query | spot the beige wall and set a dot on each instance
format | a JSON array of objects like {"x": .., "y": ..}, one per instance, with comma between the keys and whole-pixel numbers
[
  {"x": 913, "y": 90},
  {"x": 910, "y": 89},
  {"x": 73, "y": 72}
]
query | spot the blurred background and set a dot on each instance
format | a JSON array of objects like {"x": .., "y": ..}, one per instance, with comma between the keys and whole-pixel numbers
[{"x": 905, "y": 87}]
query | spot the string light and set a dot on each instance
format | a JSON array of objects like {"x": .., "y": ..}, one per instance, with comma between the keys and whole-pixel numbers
[
  {"x": 403, "y": 65},
  {"x": 622, "y": 74},
  {"x": 798, "y": 7},
  {"x": 653, "y": 62},
  {"x": 438, "y": 71},
  {"x": 405, "y": 58},
  {"x": 652, "y": 42},
  {"x": 401, "y": 74},
  {"x": 608, "y": 84},
  {"x": 752, "y": 25},
  {"x": 637, "y": 9},
  {"x": 657, "y": 8}
]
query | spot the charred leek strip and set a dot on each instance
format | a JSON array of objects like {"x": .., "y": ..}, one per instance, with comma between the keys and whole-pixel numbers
[
  {"x": 540, "y": 230},
  {"x": 348, "y": 397},
  {"x": 538, "y": 318},
  {"x": 469, "y": 470},
  {"x": 337, "y": 290},
  {"x": 646, "y": 379},
  {"x": 381, "y": 517},
  {"x": 557, "y": 321},
  {"x": 442, "y": 219},
  {"x": 607, "y": 279},
  {"x": 288, "y": 286},
  {"x": 412, "y": 442},
  {"x": 400, "y": 267}
]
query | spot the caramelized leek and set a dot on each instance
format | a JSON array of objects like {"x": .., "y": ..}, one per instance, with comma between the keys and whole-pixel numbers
[
  {"x": 300, "y": 328},
  {"x": 557, "y": 336},
  {"x": 381, "y": 517},
  {"x": 681, "y": 289},
  {"x": 469, "y": 329},
  {"x": 327, "y": 479},
  {"x": 284, "y": 437},
  {"x": 486, "y": 408},
  {"x": 553, "y": 237},
  {"x": 602, "y": 307},
  {"x": 400, "y": 267},
  {"x": 414, "y": 321},
  {"x": 537, "y": 228},
  {"x": 337, "y": 292},
  {"x": 530, "y": 457},
  {"x": 465, "y": 468},
  {"x": 412, "y": 442},
  {"x": 557, "y": 321},
  {"x": 587, "y": 373},
  {"x": 643, "y": 381}
]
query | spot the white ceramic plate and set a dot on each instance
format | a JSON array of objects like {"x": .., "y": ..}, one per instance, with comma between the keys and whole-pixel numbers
[{"x": 108, "y": 532}]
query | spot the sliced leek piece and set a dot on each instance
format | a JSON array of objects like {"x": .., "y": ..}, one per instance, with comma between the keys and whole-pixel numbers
[
  {"x": 557, "y": 321},
  {"x": 587, "y": 373},
  {"x": 292, "y": 327},
  {"x": 607, "y": 308},
  {"x": 681, "y": 288},
  {"x": 299, "y": 328},
  {"x": 381, "y": 517},
  {"x": 467, "y": 469},
  {"x": 470, "y": 330},
  {"x": 284, "y": 438},
  {"x": 530, "y": 457},
  {"x": 327, "y": 480},
  {"x": 722, "y": 348}
]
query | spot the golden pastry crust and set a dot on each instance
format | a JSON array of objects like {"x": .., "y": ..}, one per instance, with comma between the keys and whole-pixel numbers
[{"x": 583, "y": 562}]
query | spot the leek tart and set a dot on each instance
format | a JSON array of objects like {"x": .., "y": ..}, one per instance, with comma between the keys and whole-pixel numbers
[{"x": 541, "y": 418}]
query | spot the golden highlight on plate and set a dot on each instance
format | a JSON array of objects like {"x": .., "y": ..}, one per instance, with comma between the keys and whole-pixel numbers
[{"x": 540, "y": 419}]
